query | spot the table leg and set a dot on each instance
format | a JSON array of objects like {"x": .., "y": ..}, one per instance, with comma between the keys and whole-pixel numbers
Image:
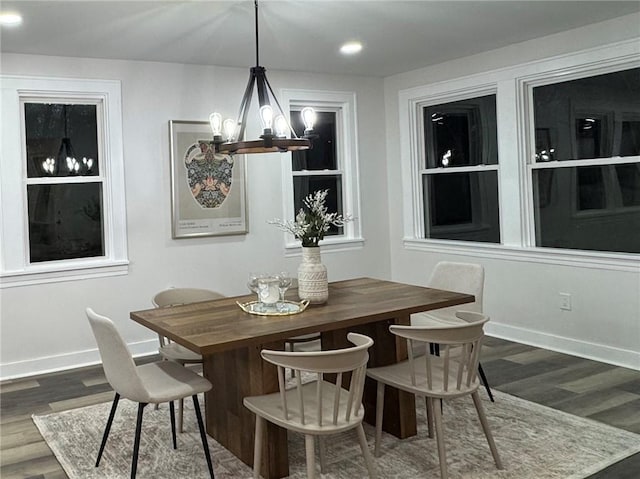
[
  {"x": 235, "y": 375},
  {"x": 399, "y": 406}
]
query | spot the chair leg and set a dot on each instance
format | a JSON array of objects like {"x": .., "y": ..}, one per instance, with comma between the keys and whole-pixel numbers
[
  {"x": 322, "y": 452},
  {"x": 181, "y": 415},
  {"x": 442, "y": 455},
  {"x": 429, "y": 407},
  {"x": 379, "y": 417},
  {"x": 136, "y": 442},
  {"x": 485, "y": 382},
  {"x": 114, "y": 406},
  {"x": 485, "y": 427},
  {"x": 311, "y": 456},
  {"x": 203, "y": 434},
  {"x": 172, "y": 413},
  {"x": 365, "y": 452},
  {"x": 257, "y": 447}
]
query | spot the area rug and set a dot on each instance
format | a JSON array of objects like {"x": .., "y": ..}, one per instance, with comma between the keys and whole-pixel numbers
[{"x": 535, "y": 442}]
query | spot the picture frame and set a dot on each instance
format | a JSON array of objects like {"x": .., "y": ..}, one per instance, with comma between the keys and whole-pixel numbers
[{"x": 208, "y": 190}]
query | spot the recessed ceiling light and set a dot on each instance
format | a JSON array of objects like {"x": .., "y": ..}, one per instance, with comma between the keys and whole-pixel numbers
[
  {"x": 350, "y": 48},
  {"x": 10, "y": 19}
]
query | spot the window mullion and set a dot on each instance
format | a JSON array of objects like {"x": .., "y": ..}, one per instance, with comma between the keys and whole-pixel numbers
[
  {"x": 317, "y": 172},
  {"x": 458, "y": 169},
  {"x": 590, "y": 162}
]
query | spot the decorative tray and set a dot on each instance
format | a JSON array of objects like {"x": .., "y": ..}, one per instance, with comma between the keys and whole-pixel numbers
[{"x": 281, "y": 308}]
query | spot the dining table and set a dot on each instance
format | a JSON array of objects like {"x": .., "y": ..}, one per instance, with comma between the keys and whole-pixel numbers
[{"x": 230, "y": 341}]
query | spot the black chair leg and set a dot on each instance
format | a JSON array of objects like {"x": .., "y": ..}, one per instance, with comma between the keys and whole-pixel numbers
[
  {"x": 136, "y": 442},
  {"x": 172, "y": 412},
  {"x": 114, "y": 406},
  {"x": 485, "y": 382},
  {"x": 203, "y": 434}
]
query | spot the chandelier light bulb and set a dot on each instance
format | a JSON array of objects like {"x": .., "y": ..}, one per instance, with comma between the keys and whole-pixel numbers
[
  {"x": 215, "y": 120},
  {"x": 281, "y": 126},
  {"x": 229, "y": 127},
  {"x": 266, "y": 114},
  {"x": 49, "y": 165},
  {"x": 308, "y": 118}
]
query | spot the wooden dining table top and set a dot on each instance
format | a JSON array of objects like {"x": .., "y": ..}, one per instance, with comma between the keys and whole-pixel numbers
[{"x": 220, "y": 325}]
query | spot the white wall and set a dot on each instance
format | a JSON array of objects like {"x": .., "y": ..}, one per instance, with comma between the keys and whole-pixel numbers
[
  {"x": 43, "y": 327},
  {"x": 522, "y": 296}
]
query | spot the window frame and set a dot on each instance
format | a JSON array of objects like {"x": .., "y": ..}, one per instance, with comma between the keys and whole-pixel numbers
[
  {"x": 344, "y": 105},
  {"x": 424, "y": 171},
  {"x": 16, "y": 268},
  {"x": 419, "y": 167},
  {"x": 526, "y": 85},
  {"x": 514, "y": 130}
]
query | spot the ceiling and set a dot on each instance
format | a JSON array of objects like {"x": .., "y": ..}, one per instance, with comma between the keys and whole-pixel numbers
[{"x": 298, "y": 35}]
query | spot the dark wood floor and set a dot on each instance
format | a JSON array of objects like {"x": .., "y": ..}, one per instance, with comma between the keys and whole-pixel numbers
[{"x": 578, "y": 386}]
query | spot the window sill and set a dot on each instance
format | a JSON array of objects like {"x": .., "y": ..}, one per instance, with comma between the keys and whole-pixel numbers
[
  {"x": 327, "y": 246},
  {"x": 70, "y": 272},
  {"x": 575, "y": 258}
]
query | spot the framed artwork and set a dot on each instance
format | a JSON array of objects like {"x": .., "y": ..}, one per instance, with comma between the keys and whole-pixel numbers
[{"x": 208, "y": 190}]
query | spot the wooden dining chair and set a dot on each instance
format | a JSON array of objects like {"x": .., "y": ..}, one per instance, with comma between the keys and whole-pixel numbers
[
  {"x": 152, "y": 383},
  {"x": 436, "y": 378},
  {"x": 318, "y": 407},
  {"x": 462, "y": 278},
  {"x": 173, "y": 351}
]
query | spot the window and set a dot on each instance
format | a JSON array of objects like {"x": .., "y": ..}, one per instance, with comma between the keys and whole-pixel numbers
[
  {"x": 568, "y": 176},
  {"x": 586, "y": 169},
  {"x": 317, "y": 168},
  {"x": 64, "y": 184},
  {"x": 62, "y": 180},
  {"x": 460, "y": 173},
  {"x": 330, "y": 164}
]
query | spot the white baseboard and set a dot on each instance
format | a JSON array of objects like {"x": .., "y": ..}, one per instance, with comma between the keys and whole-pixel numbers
[
  {"x": 597, "y": 352},
  {"x": 61, "y": 362}
]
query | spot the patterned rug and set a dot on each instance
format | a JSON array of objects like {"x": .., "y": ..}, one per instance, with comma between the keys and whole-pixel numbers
[{"x": 534, "y": 442}]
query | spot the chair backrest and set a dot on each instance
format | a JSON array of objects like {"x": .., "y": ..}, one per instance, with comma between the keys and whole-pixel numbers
[
  {"x": 465, "y": 278},
  {"x": 345, "y": 403},
  {"x": 454, "y": 371},
  {"x": 117, "y": 362},
  {"x": 176, "y": 296}
]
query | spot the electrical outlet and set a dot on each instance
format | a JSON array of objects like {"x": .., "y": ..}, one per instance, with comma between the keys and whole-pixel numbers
[{"x": 565, "y": 301}]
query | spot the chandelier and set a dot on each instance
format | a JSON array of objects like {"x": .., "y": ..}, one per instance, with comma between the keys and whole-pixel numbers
[
  {"x": 66, "y": 154},
  {"x": 228, "y": 135}
]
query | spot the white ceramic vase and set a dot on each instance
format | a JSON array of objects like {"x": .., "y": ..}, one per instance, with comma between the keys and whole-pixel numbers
[{"x": 312, "y": 277}]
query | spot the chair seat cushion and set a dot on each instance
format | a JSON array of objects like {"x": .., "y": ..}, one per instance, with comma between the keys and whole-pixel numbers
[
  {"x": 269, "y": 406},
  {"x": 178, "y": 353},
  {"x": 167, "y": 381}
]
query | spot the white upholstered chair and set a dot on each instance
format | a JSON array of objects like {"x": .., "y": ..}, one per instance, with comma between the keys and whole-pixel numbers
[
  {"x": 436, "y": 378},
  {"x": 319, "y": 407},
  {"x": 465, "y": 278},
  {"x": 173, "y": 351},
  {"x": 153, "y": 383}
]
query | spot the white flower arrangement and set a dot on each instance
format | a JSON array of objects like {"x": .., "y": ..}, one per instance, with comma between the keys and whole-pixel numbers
[{"x": 313, "y": 220}]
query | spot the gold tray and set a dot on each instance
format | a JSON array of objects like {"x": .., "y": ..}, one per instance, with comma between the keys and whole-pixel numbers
[{"x": 281, "y": 308}]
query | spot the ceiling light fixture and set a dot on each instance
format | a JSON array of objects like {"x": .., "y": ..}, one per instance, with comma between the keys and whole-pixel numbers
[
  {"x": 10, "y": 19},
  {"x": 275, "y": 127},
  {"x": 351, "y": 48}
]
